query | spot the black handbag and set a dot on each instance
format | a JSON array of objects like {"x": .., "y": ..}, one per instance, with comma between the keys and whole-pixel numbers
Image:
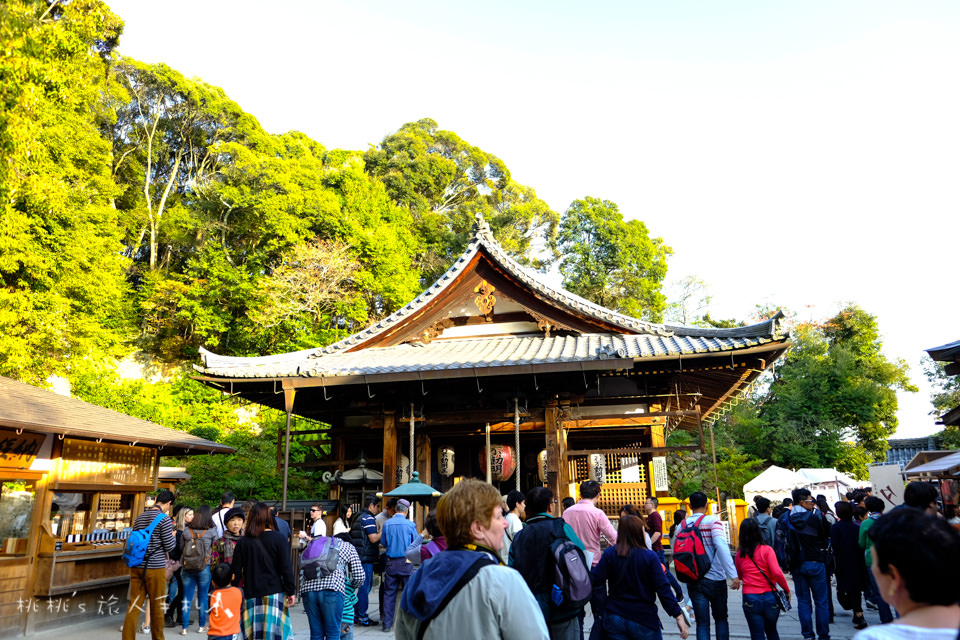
[{"x": 783, "y": 599}]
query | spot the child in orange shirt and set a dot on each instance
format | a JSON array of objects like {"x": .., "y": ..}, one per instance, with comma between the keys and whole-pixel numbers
[{"x": 225, "y": 602}]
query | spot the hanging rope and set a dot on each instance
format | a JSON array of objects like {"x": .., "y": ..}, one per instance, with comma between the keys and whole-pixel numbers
[{"x": 516, "y": 440}]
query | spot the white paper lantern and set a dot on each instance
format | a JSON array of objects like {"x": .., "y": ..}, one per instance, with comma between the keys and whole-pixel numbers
[
  {"x": 542, "y": 465},
  {"x": 445, "y": 461}
]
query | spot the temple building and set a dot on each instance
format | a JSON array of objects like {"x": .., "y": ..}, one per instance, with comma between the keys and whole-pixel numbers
[{"x": 493, "y": 373}]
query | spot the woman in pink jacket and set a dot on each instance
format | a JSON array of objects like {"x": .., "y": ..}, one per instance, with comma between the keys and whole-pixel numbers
[{"x": 759, "y": 571}]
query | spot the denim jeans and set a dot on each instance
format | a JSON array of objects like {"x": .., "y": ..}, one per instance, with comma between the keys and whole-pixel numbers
[
  {"x": 618, "y": 628},
  {"x": 198, "y": 581},
  {"x": 363, "y": 593},
  {"x": 324, "y": 611},
  {"x": 886, "y": 615},
  {"x": 710, "y": 597},
  {"x": 811, "y": 578},
  {"x": 395, "y": 578},
  {"x": 762, "y": 613},
  {"x": 677, "y": 590},
  {"x": 598, "y": 598}
]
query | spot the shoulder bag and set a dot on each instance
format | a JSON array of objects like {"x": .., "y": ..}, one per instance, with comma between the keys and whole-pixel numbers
[{"x": 783, "y": 600}]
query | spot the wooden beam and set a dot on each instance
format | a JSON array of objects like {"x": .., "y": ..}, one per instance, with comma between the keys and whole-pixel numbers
[
  {"x": 339, "y": 452},
  {"x": 390, "y": 456},
  {"x": 424, "y": 458},
  {"x": 632, "y": 450}
]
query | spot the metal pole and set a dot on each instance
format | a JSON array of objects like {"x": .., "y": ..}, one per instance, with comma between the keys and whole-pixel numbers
[
  {"x": 489, "y": 473},
  {"x": 516, "y": 441}
]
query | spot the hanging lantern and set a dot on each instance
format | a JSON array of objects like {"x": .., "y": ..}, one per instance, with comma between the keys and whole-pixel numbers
[
  {"x": 598, "y": 467},
  {"x": 503, "y": 461},
  {"x": 445, "y": 461},
  {"x": 542, "y": 465},
  {"x": 403, "y": 471}
]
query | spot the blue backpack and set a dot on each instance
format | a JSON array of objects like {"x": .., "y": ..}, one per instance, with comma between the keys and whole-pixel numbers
[{"x": 135, "y": 549}]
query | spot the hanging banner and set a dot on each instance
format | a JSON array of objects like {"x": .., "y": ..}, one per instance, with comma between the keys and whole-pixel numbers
[
  {"x": 887, "y": 483},
  {"x": 445, "y": 461},
  {"x": 661, "y": 482},
  {"x": 503, "y": 461},
  {"x": 598, "y": 467},
  {"x": 403, "y": 471}
]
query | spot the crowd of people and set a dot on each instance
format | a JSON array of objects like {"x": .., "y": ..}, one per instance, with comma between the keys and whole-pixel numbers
[{"x": 527, "y": 567}]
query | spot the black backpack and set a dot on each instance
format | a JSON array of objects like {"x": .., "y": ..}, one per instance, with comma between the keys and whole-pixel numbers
[{"x": 787, "y": 544}]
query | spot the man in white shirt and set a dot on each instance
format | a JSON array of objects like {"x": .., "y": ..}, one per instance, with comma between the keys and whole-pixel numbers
[
  {"x": 709, "y": 594},
  {"x": 516, "y": 505},
  {"x": 226, "y": 503}
]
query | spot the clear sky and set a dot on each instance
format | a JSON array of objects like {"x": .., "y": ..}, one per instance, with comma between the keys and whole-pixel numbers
[{"x": 803, "y": 155}]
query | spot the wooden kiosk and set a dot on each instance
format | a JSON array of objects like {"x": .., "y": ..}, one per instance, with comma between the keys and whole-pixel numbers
[
  {"x": 74, "y": 477},
  {"x": 491, "y": 358}
]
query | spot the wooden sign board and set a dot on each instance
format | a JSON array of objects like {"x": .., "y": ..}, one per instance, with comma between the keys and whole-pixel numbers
[
  {"x": 19, "y": 450},
  {"x": 103, "y": 463}
]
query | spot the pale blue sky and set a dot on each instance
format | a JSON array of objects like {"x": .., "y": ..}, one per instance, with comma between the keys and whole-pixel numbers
[{"x": 802, "y": 154}]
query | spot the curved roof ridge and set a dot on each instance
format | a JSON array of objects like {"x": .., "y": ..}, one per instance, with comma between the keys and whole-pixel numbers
[
  {"x": 482, "y": 233},
  {"x": 483, "y": 237}
]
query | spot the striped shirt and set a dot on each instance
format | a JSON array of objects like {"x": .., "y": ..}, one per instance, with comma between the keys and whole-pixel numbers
[
  {"x": 162, "y": 541},
  {"x": 336, "y": 580},
  {"x": 715, "y": 544}
]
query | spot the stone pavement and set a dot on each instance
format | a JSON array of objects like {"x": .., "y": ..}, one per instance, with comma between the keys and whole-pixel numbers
[{"x": 106, "y": 627}]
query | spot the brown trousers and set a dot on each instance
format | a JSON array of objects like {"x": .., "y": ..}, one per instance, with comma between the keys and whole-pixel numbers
[{"x": 148, "y": 587}]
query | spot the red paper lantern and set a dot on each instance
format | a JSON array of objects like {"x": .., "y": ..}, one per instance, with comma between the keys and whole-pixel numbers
[{"x": 503, "y": 461}]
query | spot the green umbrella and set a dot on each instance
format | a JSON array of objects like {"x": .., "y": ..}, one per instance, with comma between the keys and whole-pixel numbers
[{"x": 415, "y": 490}]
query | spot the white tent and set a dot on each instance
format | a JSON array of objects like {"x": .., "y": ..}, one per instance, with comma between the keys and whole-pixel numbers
[
  {"x": 829, "y": 482},
  {"x": 774, "y": 483}
]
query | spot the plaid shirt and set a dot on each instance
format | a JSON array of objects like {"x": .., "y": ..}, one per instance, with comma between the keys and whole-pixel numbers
[{"x": 336, "y": 580}]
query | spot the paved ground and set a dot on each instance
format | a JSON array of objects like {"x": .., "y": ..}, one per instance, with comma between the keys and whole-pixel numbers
[{"x": 789, "y": 626}]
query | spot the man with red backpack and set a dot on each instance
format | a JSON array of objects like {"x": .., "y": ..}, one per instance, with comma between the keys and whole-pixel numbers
[{"x": 702, "y": 559}]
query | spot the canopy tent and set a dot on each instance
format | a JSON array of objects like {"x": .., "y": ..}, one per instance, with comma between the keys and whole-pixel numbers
[
  {"x": 830, "y": 482},
  {"x": 774, "y": 483}
]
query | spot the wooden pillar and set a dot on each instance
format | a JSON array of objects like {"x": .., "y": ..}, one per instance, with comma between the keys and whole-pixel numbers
[
  {"x": 562, "y": 453},
  {"x": 657, "y": 439},
  {"x": 424, "y": 455},
  {"x": 551, "y": 415},
  {"x": 289, "y": 394},
  {"x": 390, "y": 457},
  {"x": 338, "y": 450}
]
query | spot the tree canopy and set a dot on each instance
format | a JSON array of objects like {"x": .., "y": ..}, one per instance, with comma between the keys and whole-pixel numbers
[
  {"x": 610, "y": 261},
  {"x": 832, "y": 399}
]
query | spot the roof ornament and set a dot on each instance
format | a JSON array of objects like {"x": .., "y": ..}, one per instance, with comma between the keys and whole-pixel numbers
[{"x": 482, "y": 228}]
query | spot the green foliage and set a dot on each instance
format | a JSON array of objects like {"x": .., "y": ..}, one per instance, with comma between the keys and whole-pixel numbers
[
  {"x": 612, "y": 262},
  {"x": 944, "y": 397},
  {"x": 444, "y": 182},
  {"x": 945, "y": 389},
  {"x": 735, "y": 469},
  {"x": 832, "y": 401},
  {"x": 185, "y": 405},
  {"x": 62, "y": 289}
]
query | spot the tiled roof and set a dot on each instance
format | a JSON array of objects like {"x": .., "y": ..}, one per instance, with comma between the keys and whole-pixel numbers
[
  {"x": 946, "y": 353},
  {"x": 473, "y": 353},
  {"x": 23, "y": 406},
  {"x": 654, "y": 339}
]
